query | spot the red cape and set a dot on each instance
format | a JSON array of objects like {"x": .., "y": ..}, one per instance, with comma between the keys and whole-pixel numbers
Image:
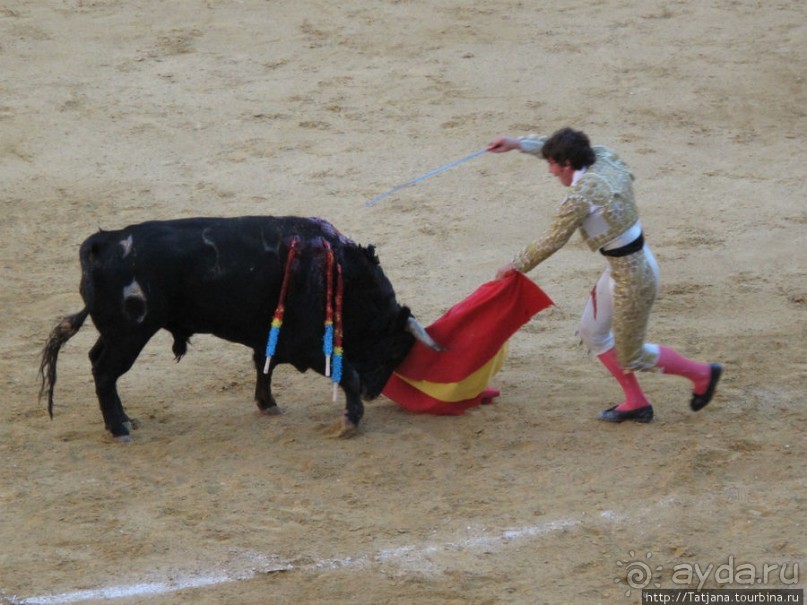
[{"x": 473, "y": 332}]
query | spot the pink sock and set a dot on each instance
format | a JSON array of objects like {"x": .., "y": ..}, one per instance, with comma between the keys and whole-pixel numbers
[
  {"x": 634, "y": 396},
  {"x": 672, "y": 362}
]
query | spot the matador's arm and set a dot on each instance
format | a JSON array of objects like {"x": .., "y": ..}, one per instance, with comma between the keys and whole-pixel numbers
[{"x": 569, "y": 218}]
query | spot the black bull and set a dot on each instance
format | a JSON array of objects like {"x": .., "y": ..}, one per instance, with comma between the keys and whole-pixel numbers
[{"x": 223, "y": 276}]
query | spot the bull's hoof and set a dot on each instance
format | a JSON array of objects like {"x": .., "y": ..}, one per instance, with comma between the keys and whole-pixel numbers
[
  {"x": 122, "y": 433},
  {"x": 345, "y": 429},
  {"x": 341, "y": 429},
  {"x": 131, "y": 425},
  {"x": 272, "y": 410}
]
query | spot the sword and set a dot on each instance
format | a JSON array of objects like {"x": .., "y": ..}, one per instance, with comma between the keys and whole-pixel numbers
[{"x": 425, "y": 176}]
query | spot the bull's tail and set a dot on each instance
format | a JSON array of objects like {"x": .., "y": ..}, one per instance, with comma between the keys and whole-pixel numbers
[{"x": 64, "y": 331}]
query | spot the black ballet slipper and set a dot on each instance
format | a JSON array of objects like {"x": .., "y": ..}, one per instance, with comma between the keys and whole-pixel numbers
[
  {"x": 701, "y": 401},
  {"x": 643, "y": 414}
]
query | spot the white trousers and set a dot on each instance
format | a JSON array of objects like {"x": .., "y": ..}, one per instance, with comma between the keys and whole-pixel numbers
[{"x": 597, "y": 322}]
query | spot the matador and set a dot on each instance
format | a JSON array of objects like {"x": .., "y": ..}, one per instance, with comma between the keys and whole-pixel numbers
[{"x": 601, "y": 205}]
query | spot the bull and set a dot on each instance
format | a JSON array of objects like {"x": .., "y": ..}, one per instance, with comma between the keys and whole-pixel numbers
[{"x": 225, "y": 276}]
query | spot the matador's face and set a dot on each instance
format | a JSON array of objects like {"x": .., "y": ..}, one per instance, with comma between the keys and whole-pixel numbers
[{"x": 563, "y": 172}]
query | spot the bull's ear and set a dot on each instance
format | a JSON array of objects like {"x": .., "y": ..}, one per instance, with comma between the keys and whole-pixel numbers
[
  {"x": 370, "y": 251},
  {"x": 401, "y": 323},
  {"x": 403, "y": 317}
]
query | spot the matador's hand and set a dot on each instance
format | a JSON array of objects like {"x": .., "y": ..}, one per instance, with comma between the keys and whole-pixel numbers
[
  {"x": 505, "y": 270},
  {"x": 503, "y": 143}
]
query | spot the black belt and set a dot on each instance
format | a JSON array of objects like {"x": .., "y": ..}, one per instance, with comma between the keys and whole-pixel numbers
[{"x": 630, "y": 248}]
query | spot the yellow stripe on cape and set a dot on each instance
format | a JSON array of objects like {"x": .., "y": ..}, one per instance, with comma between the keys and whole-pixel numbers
[{"x": 468, "y": 388}]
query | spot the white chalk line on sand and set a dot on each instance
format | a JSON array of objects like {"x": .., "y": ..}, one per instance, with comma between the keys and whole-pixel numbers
[{"x": 259, "y": 564}]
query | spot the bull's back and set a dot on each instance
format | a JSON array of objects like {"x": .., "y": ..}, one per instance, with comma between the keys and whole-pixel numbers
[{"x": 209, "y": 275}]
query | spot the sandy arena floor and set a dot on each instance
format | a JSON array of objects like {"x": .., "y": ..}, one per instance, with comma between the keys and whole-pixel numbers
[{"x": 113, "y": 112}]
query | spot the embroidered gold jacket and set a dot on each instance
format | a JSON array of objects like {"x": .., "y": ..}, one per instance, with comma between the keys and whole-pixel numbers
[{"x": 600, "y": 203}]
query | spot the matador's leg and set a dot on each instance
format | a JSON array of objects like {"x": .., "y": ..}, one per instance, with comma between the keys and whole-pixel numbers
[
  {"x": 595, "y": 330},
  {"x": 635, "y": 288},
  {"x": 636, "y": 279}
]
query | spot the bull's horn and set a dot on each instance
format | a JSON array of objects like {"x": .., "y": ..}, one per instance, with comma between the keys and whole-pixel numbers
[{"x": 415, "y": 329}]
